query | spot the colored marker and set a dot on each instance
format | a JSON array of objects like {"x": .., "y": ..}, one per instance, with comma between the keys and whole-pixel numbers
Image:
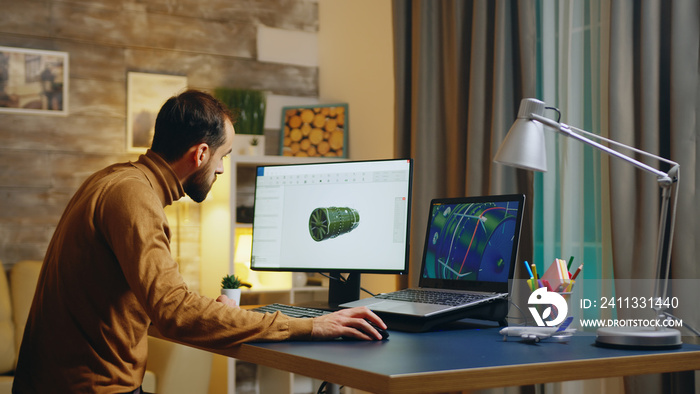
[
  {"x": 547, "y": 285},
  {"x": 529, "y": 271},
  {"x": 534, "y": 275},
  {"x": 534, "y": 270}
]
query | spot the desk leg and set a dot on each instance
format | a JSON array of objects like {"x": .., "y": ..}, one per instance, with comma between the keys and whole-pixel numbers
[
  {"x": 679, "y": 382},
  {"x": 332, "y": 388}
]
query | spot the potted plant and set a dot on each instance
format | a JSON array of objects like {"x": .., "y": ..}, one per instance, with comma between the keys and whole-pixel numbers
[
  {"x": 248, "y": 107},
  {"x": 231, "y": 287}
]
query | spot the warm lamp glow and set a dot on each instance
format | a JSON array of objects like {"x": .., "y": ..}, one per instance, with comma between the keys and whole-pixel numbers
[
  {"x": 241, "y": 260},
  {"x": 244, "y": 242}
]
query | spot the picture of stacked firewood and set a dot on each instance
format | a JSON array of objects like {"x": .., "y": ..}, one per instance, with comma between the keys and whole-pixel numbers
[{"x": 313, "y": 132}]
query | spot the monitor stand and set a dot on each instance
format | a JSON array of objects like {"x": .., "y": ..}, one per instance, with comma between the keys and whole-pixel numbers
[{"x": 342, "y": 290}]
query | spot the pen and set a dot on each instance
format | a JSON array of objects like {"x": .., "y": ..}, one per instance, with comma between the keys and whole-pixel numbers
[{"x": 577, "y": 272}]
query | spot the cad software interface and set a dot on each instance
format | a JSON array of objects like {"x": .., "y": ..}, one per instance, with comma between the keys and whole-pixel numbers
[{"x": 346, "y": 216}]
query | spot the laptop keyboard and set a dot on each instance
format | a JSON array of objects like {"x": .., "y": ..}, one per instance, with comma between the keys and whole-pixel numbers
[
  {"x": 433, "y": 297},
  {"x": 291, "y": 311}
]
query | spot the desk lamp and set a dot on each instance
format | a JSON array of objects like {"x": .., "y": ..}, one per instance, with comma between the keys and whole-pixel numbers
[{"x": 524, "y": 147}]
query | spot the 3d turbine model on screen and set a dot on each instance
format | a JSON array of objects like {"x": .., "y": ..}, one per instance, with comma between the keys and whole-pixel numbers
[
  {"x": 327, "y": 223},
  {"x": 471, "y": 241}
]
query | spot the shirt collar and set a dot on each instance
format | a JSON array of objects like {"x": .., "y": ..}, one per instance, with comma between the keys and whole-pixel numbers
[{"x": 162, "y": 177}]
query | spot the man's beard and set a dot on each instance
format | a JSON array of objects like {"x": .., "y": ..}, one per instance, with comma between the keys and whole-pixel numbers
[{"x": 197, "y": 186}]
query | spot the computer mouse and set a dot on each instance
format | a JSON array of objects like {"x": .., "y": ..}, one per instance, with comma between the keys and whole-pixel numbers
[{"x": 383, "y": 332}]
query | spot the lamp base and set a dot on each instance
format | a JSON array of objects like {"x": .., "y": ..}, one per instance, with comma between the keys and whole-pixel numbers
[{"x": 638, "y": 338}]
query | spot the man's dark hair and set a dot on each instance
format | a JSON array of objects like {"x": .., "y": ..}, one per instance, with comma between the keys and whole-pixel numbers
[{"x": 188, "y": 119}]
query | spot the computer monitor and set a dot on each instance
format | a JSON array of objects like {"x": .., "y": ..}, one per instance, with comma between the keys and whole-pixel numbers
[{"x": 348, "y": 217}]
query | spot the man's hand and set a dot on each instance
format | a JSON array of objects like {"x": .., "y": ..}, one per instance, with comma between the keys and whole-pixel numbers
[
  {"x": 226, "y": 301},
  {"x": 349, "y": 323}
]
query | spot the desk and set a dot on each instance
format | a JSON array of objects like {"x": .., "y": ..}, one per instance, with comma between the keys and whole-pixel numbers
[
  {"x": 456, "y": 360},
  {"x": 459, "y": 360}
]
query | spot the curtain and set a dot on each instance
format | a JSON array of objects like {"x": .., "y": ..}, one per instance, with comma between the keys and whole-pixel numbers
[
  {"x": 568, "y": 197},
  {"x": 653, "y": 105},
  {"x": 461, "y": 69}
]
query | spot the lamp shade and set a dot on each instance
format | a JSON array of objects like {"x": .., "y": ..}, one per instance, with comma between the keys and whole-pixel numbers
[{"x": 524, "y": 145}]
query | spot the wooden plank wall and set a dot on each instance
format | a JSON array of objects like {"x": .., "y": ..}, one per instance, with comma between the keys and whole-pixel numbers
[{"x": 43, "y": 159}]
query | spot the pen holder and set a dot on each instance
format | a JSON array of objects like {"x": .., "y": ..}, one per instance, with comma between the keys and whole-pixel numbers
[
  {"x": 567, "y": 297},
  {"x": 550, "y": 311},
  {"x": 550, "y": 306}
]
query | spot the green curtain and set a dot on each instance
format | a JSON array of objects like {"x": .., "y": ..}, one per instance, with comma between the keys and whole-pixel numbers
[{"x": 567, "y": 199}]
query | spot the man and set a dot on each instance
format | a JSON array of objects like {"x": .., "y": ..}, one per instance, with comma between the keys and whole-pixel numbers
[{"x": 108, "y": 272}]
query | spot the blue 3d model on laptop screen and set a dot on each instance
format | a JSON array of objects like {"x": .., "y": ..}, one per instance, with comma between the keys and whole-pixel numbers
[{"x": 472, "y": 241}]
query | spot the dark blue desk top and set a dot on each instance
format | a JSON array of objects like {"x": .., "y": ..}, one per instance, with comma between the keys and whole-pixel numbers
[{"x": 464, "y": 359}]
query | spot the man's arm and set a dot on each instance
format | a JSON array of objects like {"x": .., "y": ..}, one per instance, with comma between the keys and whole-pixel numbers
[{"x": 349, "y": 323}]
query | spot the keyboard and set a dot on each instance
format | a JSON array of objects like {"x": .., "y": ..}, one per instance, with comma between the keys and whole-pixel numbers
[
  {"x": 291, "y": 310},
  {"x": 433, "y": 297}
]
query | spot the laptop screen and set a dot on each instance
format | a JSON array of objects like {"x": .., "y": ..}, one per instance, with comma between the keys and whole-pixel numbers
[{"x": 472, "y": 242}]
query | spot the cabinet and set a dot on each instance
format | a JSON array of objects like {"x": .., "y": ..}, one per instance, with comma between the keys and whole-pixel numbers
[{"x": 268, "y": 287}]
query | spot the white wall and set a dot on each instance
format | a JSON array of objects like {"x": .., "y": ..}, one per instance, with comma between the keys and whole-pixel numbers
[{"x": 356, "y": 66}]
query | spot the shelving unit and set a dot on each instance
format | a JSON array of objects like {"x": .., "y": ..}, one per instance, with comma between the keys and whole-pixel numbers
[{"x": 268, "y": 287}]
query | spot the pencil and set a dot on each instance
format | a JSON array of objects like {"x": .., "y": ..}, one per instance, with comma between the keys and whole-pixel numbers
[{"x": 578, "y": 270}]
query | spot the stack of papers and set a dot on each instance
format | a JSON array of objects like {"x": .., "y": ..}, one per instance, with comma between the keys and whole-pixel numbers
[{"x": 557, "y": 276}]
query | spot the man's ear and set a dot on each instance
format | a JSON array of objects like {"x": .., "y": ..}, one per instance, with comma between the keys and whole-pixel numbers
[{"x": 201, "y": 154}]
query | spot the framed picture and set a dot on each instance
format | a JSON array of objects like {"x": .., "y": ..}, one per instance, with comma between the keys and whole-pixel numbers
[
  {"x": 33, "y": 81},
  {"x": 146, "y": 93},
  {"x": 315, "y": 131}
]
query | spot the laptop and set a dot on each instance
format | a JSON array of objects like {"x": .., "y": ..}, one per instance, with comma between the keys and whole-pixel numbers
[{"x": 469, "y": 258}]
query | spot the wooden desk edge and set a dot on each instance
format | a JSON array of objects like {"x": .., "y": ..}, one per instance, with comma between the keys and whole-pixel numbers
[
  {"x": 560, "y": 371},
  {"x": 462, "y": 379}
]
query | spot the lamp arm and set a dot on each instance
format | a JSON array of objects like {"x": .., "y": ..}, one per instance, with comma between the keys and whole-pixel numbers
[
  {"x": 621, "y": 145},
  {"x": 663, "y": 270},
  {"x": 663, "y": 178}
]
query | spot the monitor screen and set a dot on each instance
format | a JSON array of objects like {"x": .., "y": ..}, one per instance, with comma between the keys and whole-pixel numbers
[{"x": 333, "y": 216}]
